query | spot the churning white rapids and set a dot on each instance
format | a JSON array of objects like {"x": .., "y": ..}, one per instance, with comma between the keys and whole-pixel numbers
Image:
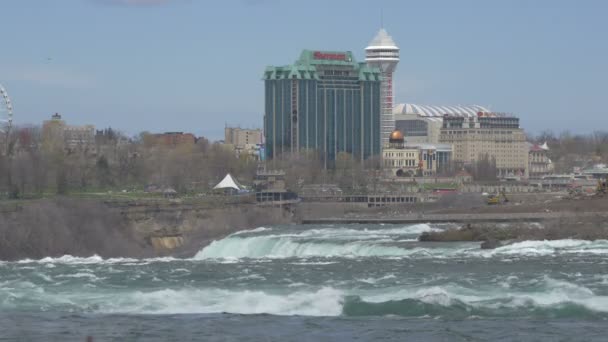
[{"x": 275, "y": 281}]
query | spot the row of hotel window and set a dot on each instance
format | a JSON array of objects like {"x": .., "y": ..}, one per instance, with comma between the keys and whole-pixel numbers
[
  {"x": 394, "y": 199},
  {"x": 407, "y": 162},
  {"x": 402, "y": 154},
  {"x": 477, "y": 132},
  {"x": 486, "y": 143},
  {"x": 410, "y": 155},
  {"x": 487, "y": 146}
]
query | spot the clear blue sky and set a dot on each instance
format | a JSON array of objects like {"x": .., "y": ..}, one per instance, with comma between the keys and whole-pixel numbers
[{"x": 189, "y": 65}]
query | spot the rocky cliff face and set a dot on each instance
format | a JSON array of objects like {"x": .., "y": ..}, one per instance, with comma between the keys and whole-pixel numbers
[
  {"x": 55, "y": 227},
  {"x": 182, "y": 230}
]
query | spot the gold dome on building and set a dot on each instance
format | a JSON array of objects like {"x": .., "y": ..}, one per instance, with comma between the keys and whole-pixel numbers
[{"x": 396, "y": 137}]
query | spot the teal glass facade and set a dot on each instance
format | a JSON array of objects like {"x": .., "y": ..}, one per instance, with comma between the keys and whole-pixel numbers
[{"x": 325, "y": 102}]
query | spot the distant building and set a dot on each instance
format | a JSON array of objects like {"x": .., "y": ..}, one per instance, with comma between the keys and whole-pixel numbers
[
  {"x": 52, "y": 131},
  {"x": 422, "y": 124},
  {"x": 599, "y": 171},
  {"x": 107, "y": 135},
  {"x": 242, "y": 137},
  {"x": 269, "y": 180},
  {"x": 398, "y": 159},
  {"x": 493, "y": 134},
  {"x": 56, "y": 132},
  {"x": 173, "y": 139},
  {"x": 324, "y": 102},
  {"x": 539, "y": 163},
  {"x": 79, "y": 135},
  {"x": 271, "y": 189},
  {"x": 435, "y": 158},
  {"x": 244, "y": 141},
  {"x": 404, "y": 159}
]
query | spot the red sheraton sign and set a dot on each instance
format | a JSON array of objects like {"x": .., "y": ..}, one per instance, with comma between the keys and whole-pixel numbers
[{"x": 331, "y": 56}]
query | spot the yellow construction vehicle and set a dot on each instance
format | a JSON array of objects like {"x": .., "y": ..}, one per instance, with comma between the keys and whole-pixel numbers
[{"x": 495, "y": 198}]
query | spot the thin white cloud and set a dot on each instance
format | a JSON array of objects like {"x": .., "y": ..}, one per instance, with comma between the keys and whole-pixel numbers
[{"x": 47, "y": 76}]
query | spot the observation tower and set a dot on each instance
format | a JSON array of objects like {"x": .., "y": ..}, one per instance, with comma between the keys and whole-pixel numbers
[{"x": 383, "y": 53}]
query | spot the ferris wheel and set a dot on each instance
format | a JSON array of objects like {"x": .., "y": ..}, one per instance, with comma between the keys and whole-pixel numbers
[{"x": 6, "y": 112}]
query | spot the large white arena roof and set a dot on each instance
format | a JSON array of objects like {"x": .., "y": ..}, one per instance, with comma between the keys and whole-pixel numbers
[{"x": 438, "y": 111}]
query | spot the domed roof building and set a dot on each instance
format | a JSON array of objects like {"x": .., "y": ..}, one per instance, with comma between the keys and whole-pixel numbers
[
  {"x": 422, "y": 124},
  {"x": 406, "y": 159},
  {"x": 396, "y": 136},
  {"x": 396, "y": 139},
  {"x": 398, "y": 159}
]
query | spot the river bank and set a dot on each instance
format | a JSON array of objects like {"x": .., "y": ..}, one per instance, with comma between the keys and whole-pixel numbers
[
  {"x": 581, "y": 227},
  {"x": 142, "y": 229},
  {"x": 136, "y": 229},
  {"x": 525, "y": 217}
]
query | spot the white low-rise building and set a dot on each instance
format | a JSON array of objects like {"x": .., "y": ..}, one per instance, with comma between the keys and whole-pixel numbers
[{"x": 539, "y": 163}]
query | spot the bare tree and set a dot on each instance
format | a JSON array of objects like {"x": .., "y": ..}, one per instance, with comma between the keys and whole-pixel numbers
[{"x": 484, "y": 169}]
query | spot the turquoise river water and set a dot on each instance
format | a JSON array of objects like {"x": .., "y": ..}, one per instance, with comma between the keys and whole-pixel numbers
[{"x": 316, "y": 283}]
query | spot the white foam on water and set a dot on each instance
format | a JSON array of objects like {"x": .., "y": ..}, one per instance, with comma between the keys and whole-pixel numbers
[
  {"x": 550, "y": 247},
  {"x": 550, "y": 293},
  {"x": 314, "y": 263},
  {"x": 87, "y": 275},
  {"x": 264, "y": 244},
  {"x": 434, "y": 295},
  {"x": 271, "y": 247},
  {"x": 297, "y": 285},
  {"x": 50, "y": 262},
  {"x": 228, "y": 260},
  {"x": 325, "y": 242},
  {"x": 508, "y": 282},
  {"x": 182, "y": 270},
  {"x": 377, "y": 280},
  {"x": 343, "y": 233},
  {"x": 256, "y": 230},
  {"x": 45, "y": 277},
  {"x": 393, "y": 242},
  {"x": 250, "y": 277},
  {"x": 324, "y": 302},
  {"x": 320, "y": 243},
  {"x": 68, "y": 259},
  {"x": 299, "y": 298},
  {"x": 409, "y": 230}
]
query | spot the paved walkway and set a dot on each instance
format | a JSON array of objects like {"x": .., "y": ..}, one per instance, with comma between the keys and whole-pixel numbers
[{"x": 443, "y": 218}]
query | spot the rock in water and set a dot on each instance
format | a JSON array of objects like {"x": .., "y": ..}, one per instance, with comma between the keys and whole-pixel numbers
[{"x": 490, "y": 244}]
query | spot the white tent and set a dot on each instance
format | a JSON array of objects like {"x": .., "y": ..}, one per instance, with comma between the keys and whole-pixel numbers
[{"x": 227, "y": 183}]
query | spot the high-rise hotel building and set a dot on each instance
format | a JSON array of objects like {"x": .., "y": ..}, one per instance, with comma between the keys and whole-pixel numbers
[
  {"x": 325, "y": 102},
  {"x": 495, "y": 135}
]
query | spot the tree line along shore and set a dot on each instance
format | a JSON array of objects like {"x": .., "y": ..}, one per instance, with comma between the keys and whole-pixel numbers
[{"x": 34, "y": 164}]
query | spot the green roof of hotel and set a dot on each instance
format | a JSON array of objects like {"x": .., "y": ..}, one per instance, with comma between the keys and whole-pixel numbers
[{"x": 306, "y": 66}]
